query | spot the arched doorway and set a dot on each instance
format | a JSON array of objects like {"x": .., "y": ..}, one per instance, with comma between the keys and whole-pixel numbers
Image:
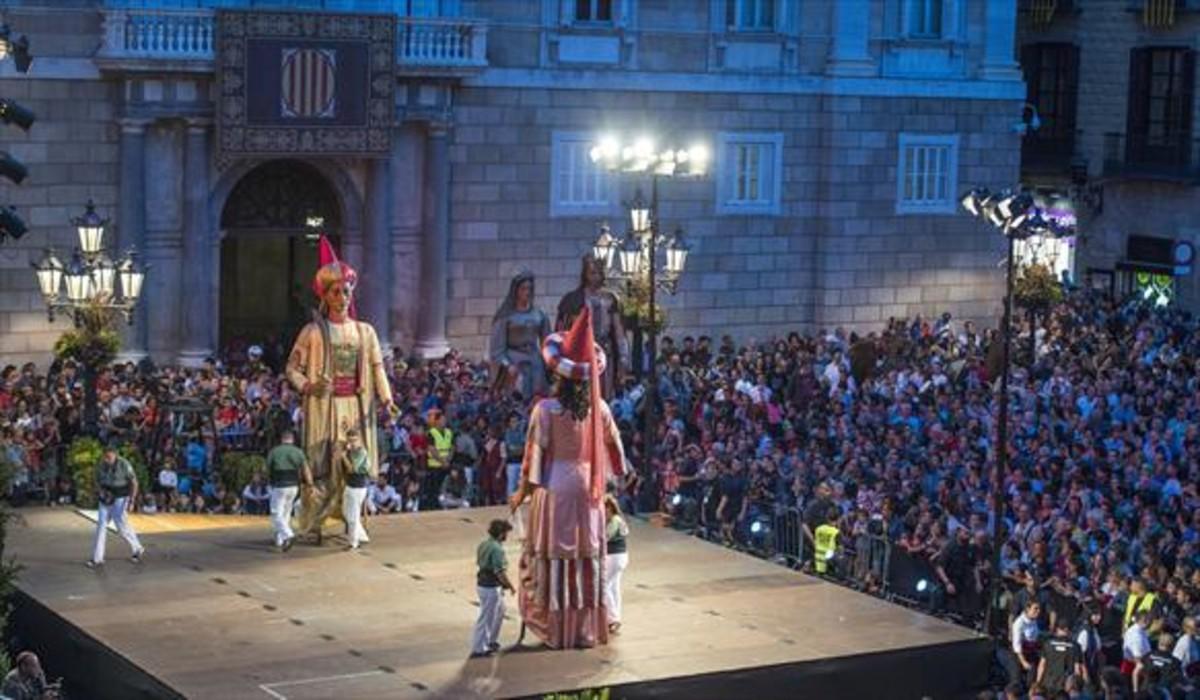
[{"x": 269, "y": 255}]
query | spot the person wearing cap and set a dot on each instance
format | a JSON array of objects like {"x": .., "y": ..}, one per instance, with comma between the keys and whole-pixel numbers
[
  {"x": 572, "y": 449},
  {"x": 117, "y": 494},
  {"x": 491, "y": 580}
]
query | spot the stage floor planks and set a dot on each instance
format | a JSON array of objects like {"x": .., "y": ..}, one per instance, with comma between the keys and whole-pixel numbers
[{"x": 217, "y": 613}]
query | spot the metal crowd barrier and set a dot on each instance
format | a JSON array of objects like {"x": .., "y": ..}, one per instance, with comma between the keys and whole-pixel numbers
[{"x": 869, "y": 561}]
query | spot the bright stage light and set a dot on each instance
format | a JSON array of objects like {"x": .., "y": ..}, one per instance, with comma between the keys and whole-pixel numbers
[
  {"x": 676, "y": 499},
  {"x": 922, "y": 586},
  {"x": 756, "y": 527}
]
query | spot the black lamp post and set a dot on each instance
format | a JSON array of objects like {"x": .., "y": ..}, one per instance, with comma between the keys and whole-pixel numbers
[
  {"x": 90, "y": 289},
  {"x": 636, "y": 256},
  {"x": 1015, "y": 216}
]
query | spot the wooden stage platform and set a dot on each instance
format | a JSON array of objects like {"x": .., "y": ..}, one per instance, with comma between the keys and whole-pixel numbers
[{"x": 215, "y": 612}]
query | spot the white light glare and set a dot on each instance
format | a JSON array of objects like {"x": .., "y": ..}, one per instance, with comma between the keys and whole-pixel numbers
[{"x": 922, "y": 586}]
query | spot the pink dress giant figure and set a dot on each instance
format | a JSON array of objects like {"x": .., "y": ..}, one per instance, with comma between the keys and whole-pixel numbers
[{"x": 572, "y": 449}]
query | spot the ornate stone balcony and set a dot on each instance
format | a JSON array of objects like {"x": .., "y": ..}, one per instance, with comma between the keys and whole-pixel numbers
[
  {"x": 144, "y": 39},
  {"x": 158, "y": 39},
  {"x": 425, "y": 45}
]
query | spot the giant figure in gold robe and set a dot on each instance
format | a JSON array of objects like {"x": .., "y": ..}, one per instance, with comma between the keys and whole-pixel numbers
[{"x": 337, "y": 366}]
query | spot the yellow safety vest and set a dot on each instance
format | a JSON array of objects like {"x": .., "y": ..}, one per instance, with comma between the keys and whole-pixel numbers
[
  {"x": 443, "y": 440},
  {"x": 1146, "y": 602},
  {"x": 826, "y": 546}
]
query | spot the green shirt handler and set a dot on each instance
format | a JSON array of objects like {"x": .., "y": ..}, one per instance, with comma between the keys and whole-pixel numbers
[
  {"x": 491, "y": 578},
  {"x": 116, "y": 492},
  {"x": 285, "y": 463},
  {"x": 286, "y": 466}
]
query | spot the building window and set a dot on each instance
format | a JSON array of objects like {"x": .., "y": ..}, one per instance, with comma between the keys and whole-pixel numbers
[
  {"x": 593, "y": 11},
  {"x": 1161, "y": 90},
  {"x": 928, "y": 174},
  {"x": 924, "y": 19},
  {"x": 750, "y": 15},
  {"x": 1052, "y": 78},
  {"x": 749, "y": 173},
  {"x": 578, "y": 187}
]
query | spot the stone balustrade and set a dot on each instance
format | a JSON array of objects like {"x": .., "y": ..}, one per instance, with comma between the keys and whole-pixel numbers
[
  {"x": 422, "y": 44},
  {"x": 425, "y": 43},
  {"x": 161, "y": 34}
]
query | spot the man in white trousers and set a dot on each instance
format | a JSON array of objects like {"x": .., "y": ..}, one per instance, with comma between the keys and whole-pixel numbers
[
  {"x": 615, "y": 561},
  {"x": 117, "y": 492},
  {"x": 286, "y": 466},
  {"x": 491, "y": 580},
  {"x": 357, "y": 467}
]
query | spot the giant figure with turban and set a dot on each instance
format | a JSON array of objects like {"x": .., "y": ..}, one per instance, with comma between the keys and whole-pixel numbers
[{"x": 337, "y": 366}]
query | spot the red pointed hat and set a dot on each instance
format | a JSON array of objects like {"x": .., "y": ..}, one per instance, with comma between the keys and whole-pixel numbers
[
  {"x": 571, "y": 354},
  {"x": 329, "y": 269}
]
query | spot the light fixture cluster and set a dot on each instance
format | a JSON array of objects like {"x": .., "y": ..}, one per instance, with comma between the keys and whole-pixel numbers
[
  {"x": 17, "y": 49},
  {"x": 1016, "y": 213},
  {"x": 642, "y": 155},
  {"x": 628, "y": 258},
  {"x": 92, "y": 280},
  {"x": 13, "y": 114}
]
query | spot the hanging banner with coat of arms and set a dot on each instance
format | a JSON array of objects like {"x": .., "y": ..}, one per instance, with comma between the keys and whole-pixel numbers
[{"x": 304, "y": 83}]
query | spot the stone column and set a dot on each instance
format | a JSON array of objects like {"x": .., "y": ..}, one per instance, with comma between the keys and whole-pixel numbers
[
  {"x": 199, "y": 266},
  {"x": 435, "y": 244},
  {"x": 407, "y": 186},
  {"x": 377, "y": 253},
  {"x": 850, "y": 53},
  {"x": 132, "y": 219},
  {"x": 1000, "y": 27}
]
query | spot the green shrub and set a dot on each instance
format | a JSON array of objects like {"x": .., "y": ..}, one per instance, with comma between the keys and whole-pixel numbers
[
  {"x": 82, "y": 457},
  {"x": 134, "y": 455},
  {"x": 237, "y": 468}
]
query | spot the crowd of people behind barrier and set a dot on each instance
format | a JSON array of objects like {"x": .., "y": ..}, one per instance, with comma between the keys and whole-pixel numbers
[{"x": 871, "y": 455}]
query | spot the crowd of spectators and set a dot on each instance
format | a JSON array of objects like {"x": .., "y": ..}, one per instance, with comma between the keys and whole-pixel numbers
[{"x": 886, "y": 437}]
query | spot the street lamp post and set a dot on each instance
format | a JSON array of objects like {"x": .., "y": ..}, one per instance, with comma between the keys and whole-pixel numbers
[
  {"x": 1015, "y": 216},
  {"x": 91, "y": 289},
  {"x": 638, "y": 253}
]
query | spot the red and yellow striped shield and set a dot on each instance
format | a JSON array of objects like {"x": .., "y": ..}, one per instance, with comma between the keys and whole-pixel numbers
[{"x": 308, "y": 89}]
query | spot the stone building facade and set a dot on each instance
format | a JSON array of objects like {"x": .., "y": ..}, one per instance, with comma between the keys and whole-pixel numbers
[
  {"x": 1114, "y": 83},
  {"x": 842, "y": 135}
]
